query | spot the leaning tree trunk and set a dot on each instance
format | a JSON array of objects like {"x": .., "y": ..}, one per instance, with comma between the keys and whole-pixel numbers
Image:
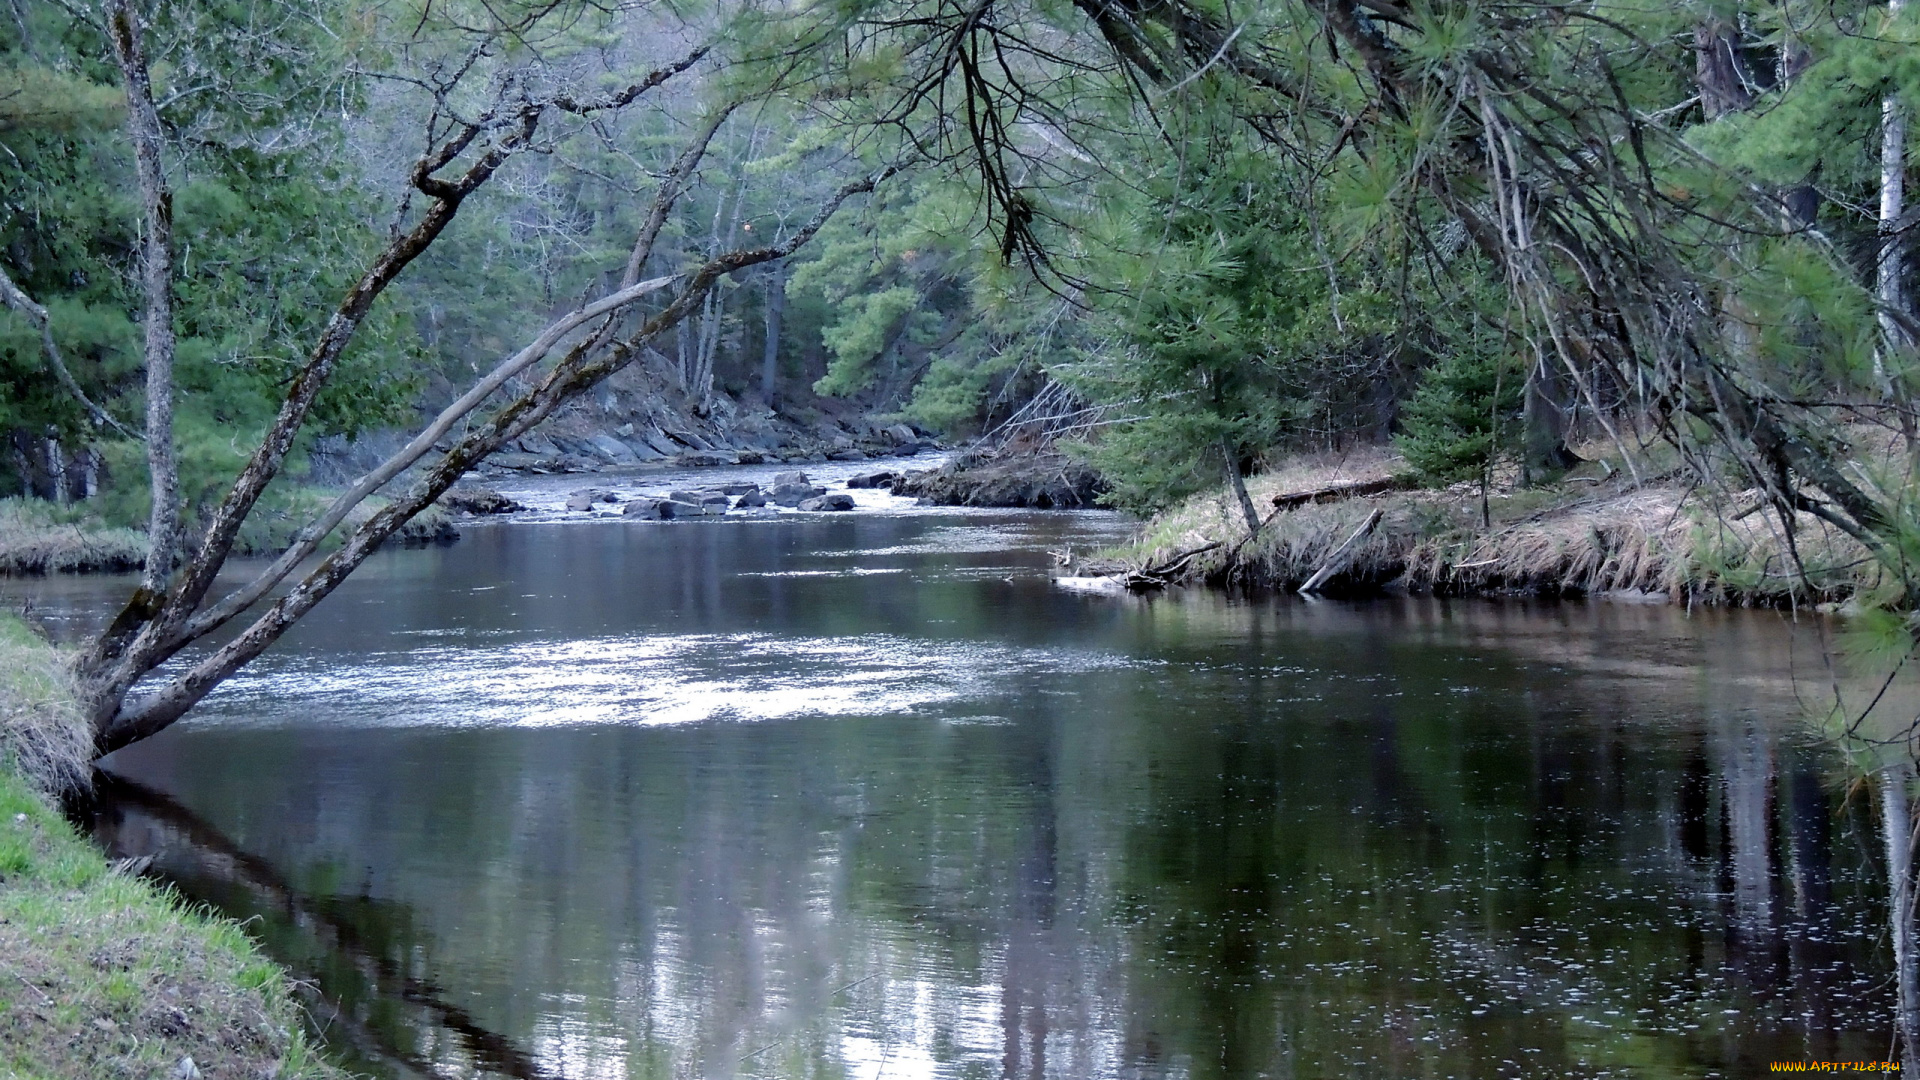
[{"x": 1239, "y": 486}]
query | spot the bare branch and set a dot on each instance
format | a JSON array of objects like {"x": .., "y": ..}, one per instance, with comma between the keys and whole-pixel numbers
[{"x": 37, "y": 315}]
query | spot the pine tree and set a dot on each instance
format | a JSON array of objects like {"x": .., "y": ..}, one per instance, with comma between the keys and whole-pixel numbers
[{"x": 1464, "y": 417}]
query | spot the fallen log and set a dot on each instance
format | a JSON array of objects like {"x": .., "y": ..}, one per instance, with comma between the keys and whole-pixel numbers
[
  {"x": 1338, "y": 560},
  {"x": 1354, "y": 489}
]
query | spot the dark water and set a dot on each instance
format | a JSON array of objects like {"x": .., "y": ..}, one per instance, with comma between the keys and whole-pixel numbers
[{"x": 870, "y": 797}]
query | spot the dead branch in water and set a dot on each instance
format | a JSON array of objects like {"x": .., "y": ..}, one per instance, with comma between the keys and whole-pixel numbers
[{"x": 1160, "y": 575}]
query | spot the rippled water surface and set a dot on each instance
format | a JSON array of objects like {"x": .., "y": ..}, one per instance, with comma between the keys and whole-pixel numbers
[{"x": 869, "y": 796}]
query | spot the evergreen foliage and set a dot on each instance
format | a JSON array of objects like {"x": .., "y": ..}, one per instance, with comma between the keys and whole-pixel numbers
[{"x": 1462, "y": 420}]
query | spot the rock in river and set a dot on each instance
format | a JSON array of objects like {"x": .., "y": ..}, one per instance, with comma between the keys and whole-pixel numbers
[
  {"x": 835, "y": 501},
  {"x": 872, "y": 480},
  {"x": 794, "y": 494},
  {"x": 479, "y": 501},
  {"x": 646, "y": 509},
  {"x": 750, "y": 498}
]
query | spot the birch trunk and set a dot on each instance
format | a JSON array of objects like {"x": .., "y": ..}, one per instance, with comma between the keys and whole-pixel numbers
[
  {"x": 1896, "y": 820},
  {"x": 156, "y": 257},
  {"x": 1890, "y": 269},
  {"x": 1890, "y": 287},
  {"x": 776, "y": 282}
]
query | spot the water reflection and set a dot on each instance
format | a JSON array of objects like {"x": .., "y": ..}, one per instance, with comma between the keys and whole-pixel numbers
[{"x": 949, "y": 821}]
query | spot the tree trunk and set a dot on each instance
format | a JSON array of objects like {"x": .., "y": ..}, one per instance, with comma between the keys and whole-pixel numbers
[
  {"x": 1717, "y": 70},
  {"x": 56, "y": 470},
  {"x": 776, "y": 285},
  {"x": 1896, "y": 822},
  {"x": 156, "y": 256},
  {"x": 1543, "y": 418},
  {"x": 1239, "y": 486},
  {"x": 1890, "y": 268}
]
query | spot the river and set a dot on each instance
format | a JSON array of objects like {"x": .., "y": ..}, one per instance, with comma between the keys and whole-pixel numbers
[{"x": 868, "y": 795}]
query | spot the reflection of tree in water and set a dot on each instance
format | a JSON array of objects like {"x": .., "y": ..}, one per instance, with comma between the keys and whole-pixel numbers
[
  {"x": 1162, "y": 877},
  {"x": 348, "y": 945}
]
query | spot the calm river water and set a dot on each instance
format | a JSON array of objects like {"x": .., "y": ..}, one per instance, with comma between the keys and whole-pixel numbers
[{"x": 869, "y": 796}]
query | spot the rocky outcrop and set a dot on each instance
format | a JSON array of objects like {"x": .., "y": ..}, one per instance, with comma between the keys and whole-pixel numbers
[
  {"x": 478, "y": 502},
  {"x": 1042, "y": 479}
]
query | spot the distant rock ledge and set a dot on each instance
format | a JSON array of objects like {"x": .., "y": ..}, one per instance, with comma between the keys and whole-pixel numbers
[{"x": 1043, "y": 479}]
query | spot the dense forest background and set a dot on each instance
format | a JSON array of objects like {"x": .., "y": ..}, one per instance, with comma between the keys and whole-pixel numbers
[
  {"x": 1237, "y": 231},
  {"x": 1188, "y": 239}
]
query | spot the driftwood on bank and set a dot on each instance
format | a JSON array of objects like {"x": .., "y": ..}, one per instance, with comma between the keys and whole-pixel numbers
[
  {"x": 1338, "y": 560},
  {"x": 1350, "y": 490},
  {"x": 1160, "y": 575}
]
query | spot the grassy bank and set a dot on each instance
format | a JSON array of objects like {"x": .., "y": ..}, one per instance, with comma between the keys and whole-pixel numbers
[
  {"x": 1596, "y": 531},
  {"x": 39, "y": 537},
  {"x": 102, "y": 974}
]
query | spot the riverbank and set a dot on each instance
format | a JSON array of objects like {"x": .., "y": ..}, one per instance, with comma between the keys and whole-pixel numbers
[
  {"x": 101, "y": 973},
  {"x": 39, "y": 537},
  {"x": 1353, "y": 522}
]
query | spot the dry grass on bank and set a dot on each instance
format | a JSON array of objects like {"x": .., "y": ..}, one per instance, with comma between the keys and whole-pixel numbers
[
  {"x": 1589, "y": 534},
  {"x": 101, "y": 974},
  {"x": 38, "y": 537},
  {"x": 41, "y": 538},
  {"x": 43, "y": 737}
]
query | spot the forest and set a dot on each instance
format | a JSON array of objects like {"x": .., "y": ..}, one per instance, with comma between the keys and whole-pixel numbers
[{"x": 1348, "y": 297}]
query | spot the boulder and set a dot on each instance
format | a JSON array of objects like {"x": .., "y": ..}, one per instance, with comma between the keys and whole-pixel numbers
[
  {"x": 580, "y": 502},
  {"x": 902, "y": 434},
  {"x": 800, "y": 478},
  {"x": 739, "y": 487},
  {"x": 714, "y": 502},
  {"x": 835, "y": 501},
  {"x": 750, "y": 499},
  {"x": 646, "y": 509},
  {"x": 846, "y": 455},
  {"x": 872, "y": 480},
  {"x": 751, "y": 457},
  {"x": 674, "y": 508},
  {"x": 702, "y": 458},
  {"x": 794, "y": 494},
  {"x": 479, "y": 501}
]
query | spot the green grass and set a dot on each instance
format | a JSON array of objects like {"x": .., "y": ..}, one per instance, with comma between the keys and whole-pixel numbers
[{"x": 102, "y": 974}]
